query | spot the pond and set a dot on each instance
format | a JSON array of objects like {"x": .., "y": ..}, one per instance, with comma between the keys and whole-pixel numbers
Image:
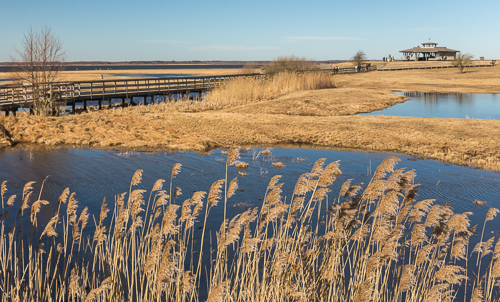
[
  {"x": 446, "y": 105},
  {"x": 98, "y": 174}
]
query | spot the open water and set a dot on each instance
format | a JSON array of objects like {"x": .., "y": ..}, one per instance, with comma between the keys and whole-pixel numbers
[
  {"x": 446, "y": 105},
  {"x": 98, "y": 174}
]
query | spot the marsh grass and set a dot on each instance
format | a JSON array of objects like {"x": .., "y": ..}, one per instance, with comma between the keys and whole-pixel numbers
[
  {"x": 376, "y": 244},
  {"x": 289, "y": 64},
  {"x": 244, "y": 90}
]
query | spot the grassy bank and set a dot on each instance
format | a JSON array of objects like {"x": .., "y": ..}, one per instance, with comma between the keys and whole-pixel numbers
[
  {"x": 251, "y": 90},
  {"x": 460, "y": 141},
  {"x": 473, "y": 80},
  {"x": 377, "y": 243},
  {"x": 307, "y": 117}
]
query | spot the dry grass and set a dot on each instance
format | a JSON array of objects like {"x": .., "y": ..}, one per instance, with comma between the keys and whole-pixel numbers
[
  {"x": 313, "y": 117},
  {"x": 289, "y": 64},
  {"x": 380, "y": 244},
  {"x": 323, "y": 102},
  {"x": 473, "y": 80},
  {"x": 278, "y": 165},
  {"x": 247, "y": 90},
  {"x": 461, "y": 141}
]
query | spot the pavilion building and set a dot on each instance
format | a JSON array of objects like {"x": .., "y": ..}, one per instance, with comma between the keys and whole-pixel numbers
[{"x": 429, "y": 52}]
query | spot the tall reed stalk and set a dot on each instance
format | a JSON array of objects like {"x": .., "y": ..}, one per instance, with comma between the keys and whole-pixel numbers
[{"x": 376, "y": 244}]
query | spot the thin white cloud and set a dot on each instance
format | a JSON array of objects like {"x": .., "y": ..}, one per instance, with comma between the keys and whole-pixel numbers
[
  {"x": 231, "y": 48},
  {"x": 316, "y": 38},
  {"x": 422, "y": 29},
  {"x": 164, "y": 41}
]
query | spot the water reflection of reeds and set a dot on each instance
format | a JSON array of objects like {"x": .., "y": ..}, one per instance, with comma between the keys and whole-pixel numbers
[{"x": 434, "y": 97}]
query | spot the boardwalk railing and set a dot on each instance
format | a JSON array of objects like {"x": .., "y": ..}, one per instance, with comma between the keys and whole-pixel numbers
[
  {"x": 430, "y": 65},
  {"x": 15, "y": 96},
  {"x": 345, "y": 70}
]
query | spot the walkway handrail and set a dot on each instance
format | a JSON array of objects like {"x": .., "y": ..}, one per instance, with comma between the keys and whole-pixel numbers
[
  {"x": 428, "y": 65},
  {"x": 21, "y": 94}
]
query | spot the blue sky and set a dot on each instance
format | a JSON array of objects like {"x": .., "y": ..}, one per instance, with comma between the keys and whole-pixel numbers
[{"x": 251, "y": 30}]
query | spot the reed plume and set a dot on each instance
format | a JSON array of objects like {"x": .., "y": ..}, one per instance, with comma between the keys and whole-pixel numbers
[{"x": 377, "y": 244}]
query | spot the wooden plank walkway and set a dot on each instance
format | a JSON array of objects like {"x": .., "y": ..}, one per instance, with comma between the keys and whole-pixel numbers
[
  {"x": 427, "y": 66},
  {"x": 67, "y": 94},
  {"x": 13, "y": 97}
]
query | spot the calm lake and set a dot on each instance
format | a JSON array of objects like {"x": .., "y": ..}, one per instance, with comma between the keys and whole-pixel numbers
[
  {"x": 141, "y": 66},
  {"x": 446, "y": 105},
  {"x": 98, "y": 174}
]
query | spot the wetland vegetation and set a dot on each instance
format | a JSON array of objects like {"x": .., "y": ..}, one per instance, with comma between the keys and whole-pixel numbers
[{"x": 365, "y": 242}]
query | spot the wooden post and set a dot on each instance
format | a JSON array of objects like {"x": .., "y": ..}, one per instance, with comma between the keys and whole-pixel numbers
[
  {"x": 6, "y": 111},
  {"x": 84, "y": 105},
  {"x": 73, "y": 107},
  {"x": 100, "y": 104},
  {"x": 123, "y": 102}
]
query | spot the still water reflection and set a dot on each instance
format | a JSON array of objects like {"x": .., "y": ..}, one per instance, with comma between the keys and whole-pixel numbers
[
  {"x": 97, "y": 174},
  {"x": 446, "y": 105}
]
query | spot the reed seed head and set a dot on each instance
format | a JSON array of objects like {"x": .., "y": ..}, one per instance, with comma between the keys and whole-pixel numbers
[
  {"x": 233, "y": 186},
  {"x": 136, "y": 179}
]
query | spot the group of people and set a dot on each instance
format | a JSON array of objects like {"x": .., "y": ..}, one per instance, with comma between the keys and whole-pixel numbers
[{"x": 359, "y": 68}]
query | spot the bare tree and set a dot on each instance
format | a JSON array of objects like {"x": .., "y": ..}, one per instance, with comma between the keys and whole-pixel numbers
[
  {"x": 40, "y": 60},
  {"x": 359, "y": 58},
  {"x": 462, "y": 60}
]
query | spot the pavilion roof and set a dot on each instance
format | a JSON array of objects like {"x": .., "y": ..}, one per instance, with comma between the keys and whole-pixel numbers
[{"x": 428, "y": 49}]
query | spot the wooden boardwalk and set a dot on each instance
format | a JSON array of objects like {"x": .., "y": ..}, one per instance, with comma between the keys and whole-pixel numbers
[
  {"x": 432, "y": 65},
  {"x": 13, "y": 97},
  {"x": 68, "y": 94}
]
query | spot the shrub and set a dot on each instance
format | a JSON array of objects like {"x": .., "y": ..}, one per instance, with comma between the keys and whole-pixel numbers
[{"x": 289, "y": 64}]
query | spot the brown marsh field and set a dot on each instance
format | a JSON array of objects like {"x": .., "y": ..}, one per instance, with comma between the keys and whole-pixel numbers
[
  {"x": 283, "y": 112},
  {"x": 368, "y": 242}
]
